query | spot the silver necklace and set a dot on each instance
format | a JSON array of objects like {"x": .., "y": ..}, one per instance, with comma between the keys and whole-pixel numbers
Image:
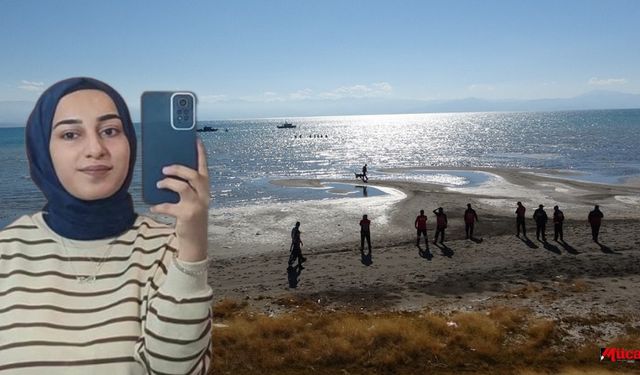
[{"x": 88, "y": 279}]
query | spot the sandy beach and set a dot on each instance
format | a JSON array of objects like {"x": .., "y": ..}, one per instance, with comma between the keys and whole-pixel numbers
[{"x": 577, "y": 283}]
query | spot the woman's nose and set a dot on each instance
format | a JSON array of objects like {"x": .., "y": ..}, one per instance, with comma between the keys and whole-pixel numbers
[{"x": 95, "y": 147}]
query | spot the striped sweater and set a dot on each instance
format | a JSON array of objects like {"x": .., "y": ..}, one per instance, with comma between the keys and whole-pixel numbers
[{"x": 142, "y": 314}]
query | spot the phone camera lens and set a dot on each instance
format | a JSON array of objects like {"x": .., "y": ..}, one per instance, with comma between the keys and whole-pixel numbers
[{"x": 182, "y": 102}]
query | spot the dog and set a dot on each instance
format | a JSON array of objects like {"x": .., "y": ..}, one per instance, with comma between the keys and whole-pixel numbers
[{"x": 362, "y": 176}]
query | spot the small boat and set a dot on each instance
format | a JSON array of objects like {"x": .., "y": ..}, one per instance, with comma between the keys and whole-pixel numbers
[
  {"x": 286, "y": 125},
  {"x": 207, "y": 129}
]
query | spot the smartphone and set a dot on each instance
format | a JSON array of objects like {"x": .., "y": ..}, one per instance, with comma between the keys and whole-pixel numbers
[{"x": 168, "y": 122}]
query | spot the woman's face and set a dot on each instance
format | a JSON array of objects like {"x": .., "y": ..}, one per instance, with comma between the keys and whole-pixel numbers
[{"x": 88, "y": 147}]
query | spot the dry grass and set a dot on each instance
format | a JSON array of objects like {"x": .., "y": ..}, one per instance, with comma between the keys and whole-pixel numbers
[
  {"x": 528, "y": 290},
  {"x": 316, "y": 341},
  {"x": 578, "y": 286},
  {"x": 227, "y": 308}
]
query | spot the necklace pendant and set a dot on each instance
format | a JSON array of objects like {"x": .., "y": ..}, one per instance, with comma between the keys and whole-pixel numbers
[{"x": 86, "y": 279}]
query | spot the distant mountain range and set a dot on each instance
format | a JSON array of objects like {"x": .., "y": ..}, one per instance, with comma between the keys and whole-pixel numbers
[
  {"x": 370, "y": 106},
  {"x": 15, "y": 113}
]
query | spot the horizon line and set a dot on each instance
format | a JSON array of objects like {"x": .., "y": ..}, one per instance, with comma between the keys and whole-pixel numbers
[{"x": 16, "y": 125}]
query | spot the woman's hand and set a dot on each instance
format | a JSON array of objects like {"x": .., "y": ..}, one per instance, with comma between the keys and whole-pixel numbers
[{"x": 192, "y": 211}]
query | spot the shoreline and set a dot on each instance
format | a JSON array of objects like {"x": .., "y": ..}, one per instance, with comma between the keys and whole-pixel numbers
[
  {"x": 576, "y": 280},
  {"x": 264, "y": 228}
]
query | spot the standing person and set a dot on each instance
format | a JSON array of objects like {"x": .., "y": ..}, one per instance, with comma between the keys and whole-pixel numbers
[
  {"x": 520, "y": 211},
  {"x": 109, "y": 291},
  {"x": 441, "y": 224},
  {"x": 470, "y": 217},
  {"x": 540, "y": 217},
  {"x": 595, "y": 219},
  {"x": 421, "y": 227},
  {"x": 558, "y": 219},
  {"x": 365, "y": 178},
  {"x": 296, "y": 246},
  {"x": 365, "y": 232}
]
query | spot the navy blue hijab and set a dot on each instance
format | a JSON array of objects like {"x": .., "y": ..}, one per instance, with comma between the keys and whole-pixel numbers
[{"x": 67, "y": 215}]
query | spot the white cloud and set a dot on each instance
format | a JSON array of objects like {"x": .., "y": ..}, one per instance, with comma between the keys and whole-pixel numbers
[
  {"x": 480, "y": 87},
  {"x": 301, "y": 94},
  {"x": 382, "y": 86},
  {"x": 31, "y": 86},
  {"x": 373, "y": 90},
  {"x": 595, "y": 81},
  {"x": 358, "y": 91},
  {"x": 270, "y": 96}
]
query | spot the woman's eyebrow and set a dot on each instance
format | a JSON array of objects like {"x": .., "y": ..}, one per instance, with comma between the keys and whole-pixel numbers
[
  {"x": 67, "y": 122},
  {"x": 108, "y": 116}
]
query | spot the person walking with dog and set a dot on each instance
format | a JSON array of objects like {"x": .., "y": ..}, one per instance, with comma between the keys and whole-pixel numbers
[
  {"x": 365, "y": 178},
  {"x": 296, "y": 247},
  {"x": 421, "y": 227},
  {"x": 441, "y": 224}
]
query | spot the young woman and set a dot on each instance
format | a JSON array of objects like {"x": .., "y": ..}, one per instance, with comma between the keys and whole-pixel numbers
[{"x": 86, "y": 285}]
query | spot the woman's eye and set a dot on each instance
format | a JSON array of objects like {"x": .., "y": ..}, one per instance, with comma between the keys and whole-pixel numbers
[
  {"x": 111, "y": 132},
  {"x": 69, "y": 135}
]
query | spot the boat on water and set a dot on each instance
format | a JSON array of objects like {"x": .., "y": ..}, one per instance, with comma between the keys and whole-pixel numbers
[
  {"x": 286, "y": 125},
  {"x": 207, "y": 129}
]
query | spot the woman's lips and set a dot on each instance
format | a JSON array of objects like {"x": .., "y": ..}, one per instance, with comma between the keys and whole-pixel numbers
[{"x": 96, "y": 170}]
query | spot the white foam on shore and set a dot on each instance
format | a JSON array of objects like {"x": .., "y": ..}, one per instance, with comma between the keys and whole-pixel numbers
[
  {"x": 497, "y": 186},
  {"x": 259, "y": 228},
  {"x": 570, "y": 175},
  {"x": 628, "y": 199},
  {"x": 334, "y": 222}
]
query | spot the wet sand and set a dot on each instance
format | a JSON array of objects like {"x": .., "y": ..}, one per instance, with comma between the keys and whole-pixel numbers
[{"x": 577, "y": 279}]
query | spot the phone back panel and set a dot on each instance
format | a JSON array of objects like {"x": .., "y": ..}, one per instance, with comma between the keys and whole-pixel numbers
[{"x": 163, "y": 145}]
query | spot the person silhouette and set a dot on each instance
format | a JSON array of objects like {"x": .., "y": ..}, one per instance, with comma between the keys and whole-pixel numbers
[
  {"x": 421, "y": 227},
  {"x": 540, "y": 217},
  {"x": 441, "y": 224},
  {"x": 558, "y": 219},
  {"x": 520, "y": 211},
  {"x": 365, "y": 178},
  {"x": 470, "y": 217},
  {"x": 595, "y": 219},
  {"x": 296, "y": 247},
  {"x": 365, "y": 232}
]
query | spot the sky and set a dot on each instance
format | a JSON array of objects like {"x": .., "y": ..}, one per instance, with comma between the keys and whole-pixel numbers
[{"x": 242, "y": 56}]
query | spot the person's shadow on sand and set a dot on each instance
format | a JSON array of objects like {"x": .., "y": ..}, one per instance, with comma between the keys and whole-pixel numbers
[
  {"x": 366, "y": 258},
  {"x": 554, "y": 249},
  {"x": 426, "y": 254},
  {"x": 293, "y": 273},
  {"x": 606, "y": 249},
  {"x": 476, "y": 240},
  {"x": 569, "y": 249},
  {"x": 528, "y": 242},
  {"x": 446, "y": 250}
]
